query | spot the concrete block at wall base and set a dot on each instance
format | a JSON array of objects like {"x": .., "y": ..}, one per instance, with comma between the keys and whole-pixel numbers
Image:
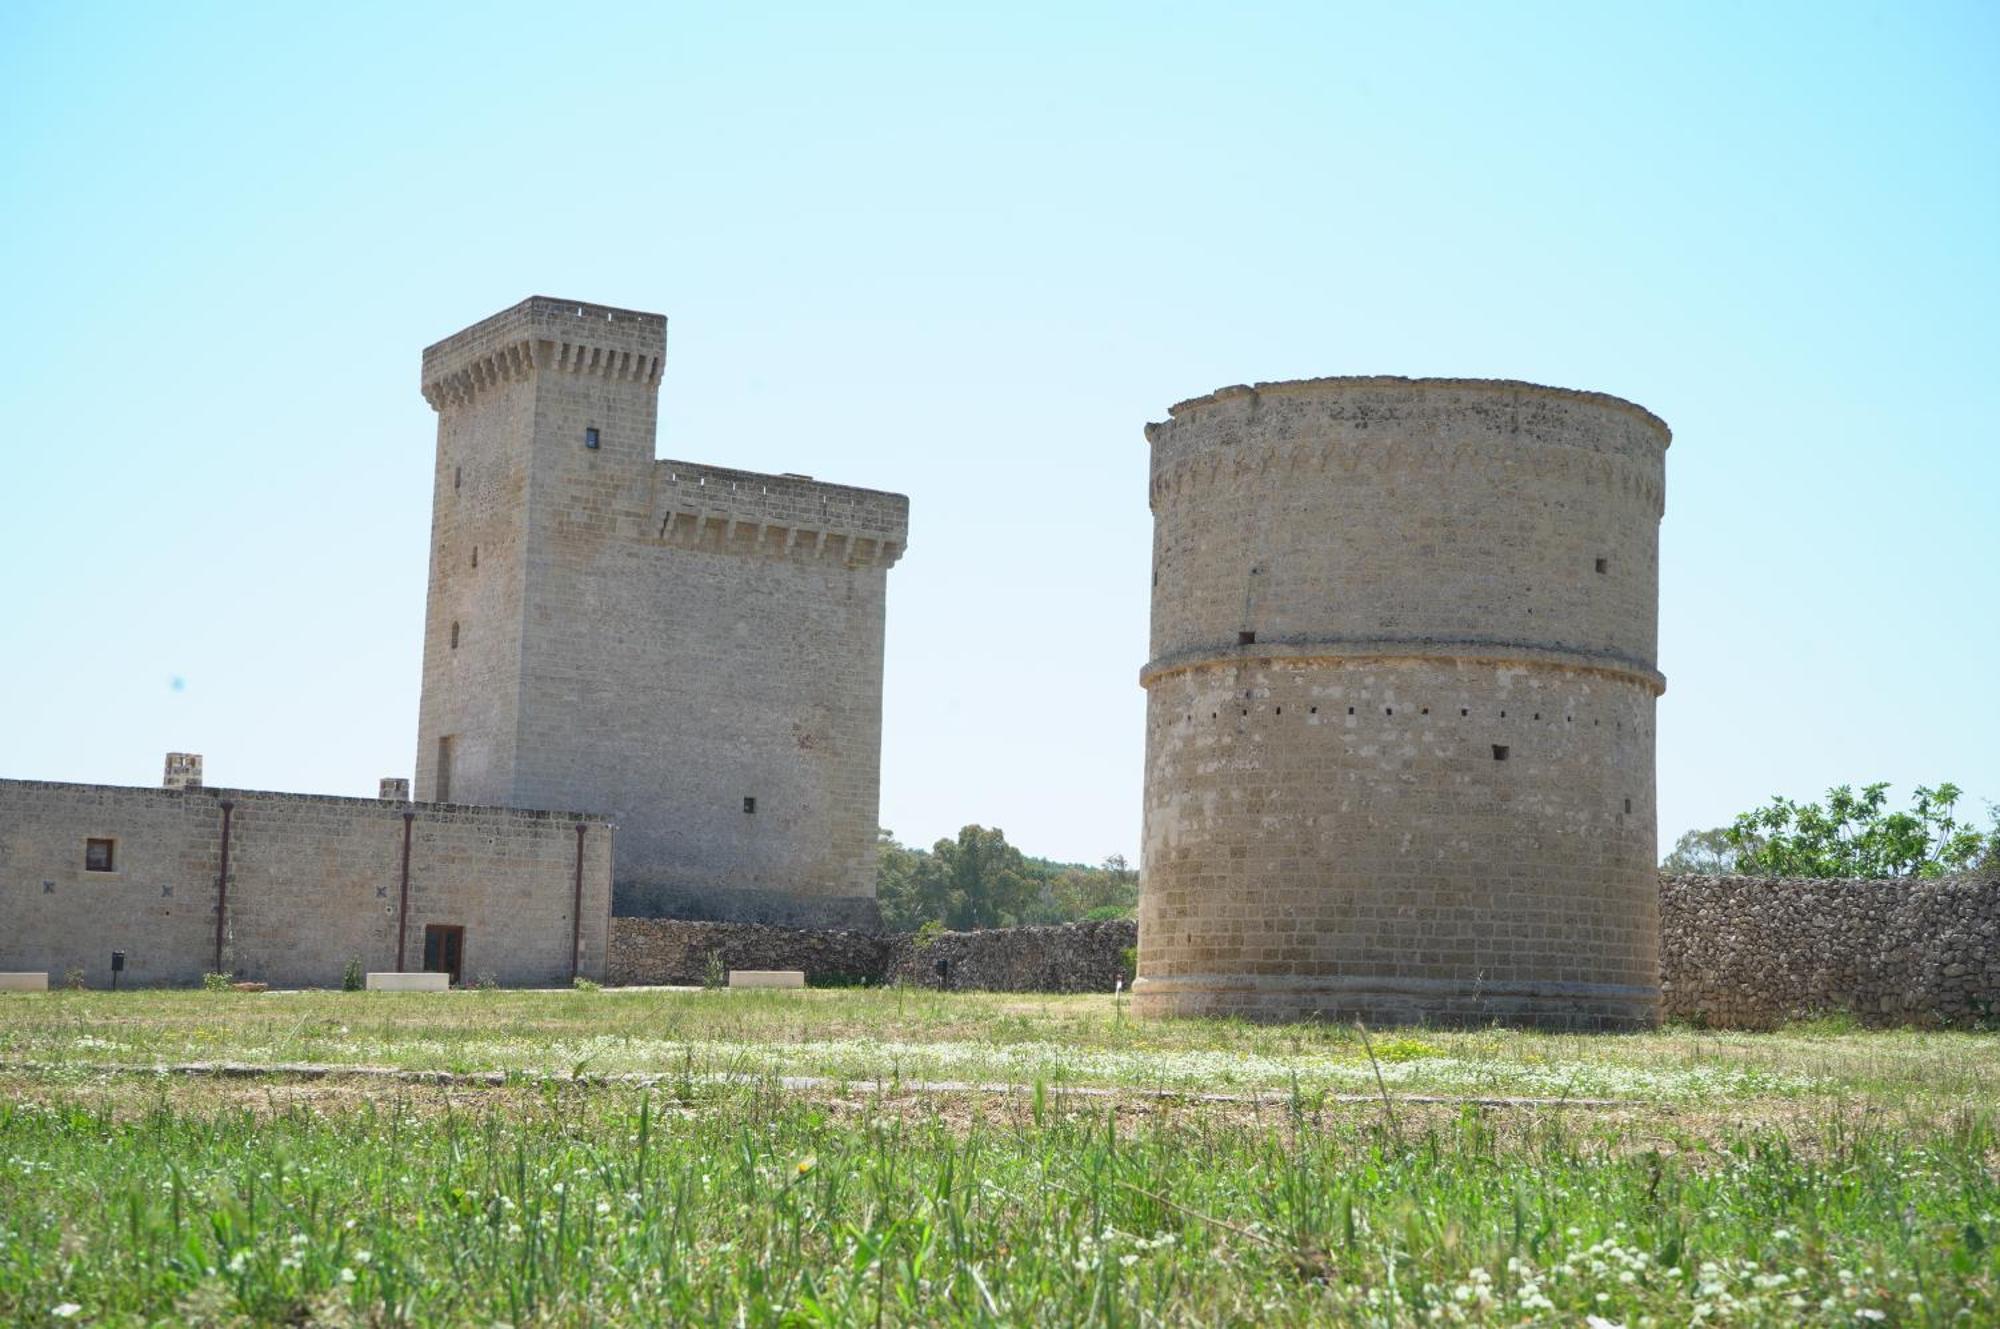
[
  {"x": 25, "y": 982},
  {"x": 409, "y": 982},
  {"x": 767, "y": 978}
]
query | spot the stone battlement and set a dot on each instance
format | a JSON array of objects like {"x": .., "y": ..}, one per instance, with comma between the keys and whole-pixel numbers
[
  {"x": 546, "y": 333},
  {"x": 795, "y": 516},
  {"x": 1483, "y": 389}
]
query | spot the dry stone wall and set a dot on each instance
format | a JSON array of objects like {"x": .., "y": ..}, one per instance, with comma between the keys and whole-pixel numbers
[
  {"x": 1736, "y": 952},
  {"x": 1081, "y": 957},
  {"x": 1748, "y": 952}
]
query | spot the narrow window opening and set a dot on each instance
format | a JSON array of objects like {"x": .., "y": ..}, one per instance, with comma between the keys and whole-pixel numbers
[
  {"x": 1628, "y": 805},
  {"x": 99, "y": 855},
  {"x": 1246, "y": 639},
  {"x": 457, "y": 476},
  {"x": 454, "y": 636},
  {"x": 1503, "y": 715},
  {"x": 1538, "y": 715},
  {"x": 590, "y": 437},
  {"x": 1280, "y": 711},
  {"x": 1463, "y": 712},
  {"x": 749, "y": 804},
  {"x": 1315, "y": 710},
  {"x": 1603, "y": 565},
  {"x": 1350, "y": 710},
  {"x": 1425, "y": 711},
  {"x": 475, "y": 556},
  {"x": 1499, "y": 752},
  {"x": 1388, "y": 710}
]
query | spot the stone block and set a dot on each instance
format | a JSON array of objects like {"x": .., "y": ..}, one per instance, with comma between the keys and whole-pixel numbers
[
  {"x": 32, "y": 981},
  {"x": 409, "y": 982},
  {"x": 767, "y": 978}
]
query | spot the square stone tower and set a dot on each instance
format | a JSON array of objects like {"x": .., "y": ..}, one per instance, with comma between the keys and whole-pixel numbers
[{"x": 696, "y": 652}]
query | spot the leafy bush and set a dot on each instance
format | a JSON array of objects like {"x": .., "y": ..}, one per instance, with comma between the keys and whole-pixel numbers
[
  {"x": 217, "y": 982},
  {"x": 73, "y": 980},
  {"x": 582, "y": 984},
  {"x": 1854, "y": 835},
  {"x": 351, "y": 978},
  {"x": 713, "y": 974}
]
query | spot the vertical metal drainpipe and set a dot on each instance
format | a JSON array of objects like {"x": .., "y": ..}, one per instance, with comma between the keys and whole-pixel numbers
[
  {"x": 222, "y": 886},
  {"x": 576, "y": 909},
  {"x": 403, "y": 895}
]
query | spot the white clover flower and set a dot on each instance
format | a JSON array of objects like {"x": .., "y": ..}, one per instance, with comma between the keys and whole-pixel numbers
[
  {"x": 64, "y": 1311},
  {"x": 347, "y": 1275}
]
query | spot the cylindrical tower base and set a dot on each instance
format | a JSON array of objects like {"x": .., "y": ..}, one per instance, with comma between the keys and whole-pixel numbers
[{"x": 1399, "y": 760}]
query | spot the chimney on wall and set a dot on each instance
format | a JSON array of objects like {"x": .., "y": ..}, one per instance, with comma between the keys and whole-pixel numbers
[
  {"x": 183, "y": 771},
  {"x": 395, "y": 789}
]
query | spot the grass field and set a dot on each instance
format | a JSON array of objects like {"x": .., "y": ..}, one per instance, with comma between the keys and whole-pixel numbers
[{"x": 864, "y": 1157}]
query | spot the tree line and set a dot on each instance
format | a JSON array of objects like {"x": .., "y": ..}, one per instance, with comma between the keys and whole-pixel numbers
[
  {"x": 977, "y": 880},
  {"x": 1849, "y": 834}
]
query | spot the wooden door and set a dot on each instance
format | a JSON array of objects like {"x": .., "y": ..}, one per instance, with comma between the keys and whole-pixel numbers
[{"x": 444, "y": 951}]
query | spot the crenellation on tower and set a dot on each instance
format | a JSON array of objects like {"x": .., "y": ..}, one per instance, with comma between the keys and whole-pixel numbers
[
  {"x": 792, "y": 516},
  {"x": 541, "y": 332}
]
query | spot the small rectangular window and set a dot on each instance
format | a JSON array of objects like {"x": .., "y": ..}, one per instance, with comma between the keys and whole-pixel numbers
[
  {"x": 590, "y": 437},
  {"x": 1246, "y": 639},
  {"x": 99, "y": 855},
  {"x": 1604, "y": 565},
  {"x": 749, "y": 805},
  {"x": 1499, "y": 752}
]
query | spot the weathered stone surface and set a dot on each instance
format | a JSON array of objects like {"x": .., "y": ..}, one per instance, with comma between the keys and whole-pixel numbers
[
  {"x": 32, "y": 981},
  {"x": 1082, "y": 957},
  {"x": 1400, "y": 706},
  {"x": 676, "y": 951},
  {"x": 314, "y": 881},
  {"x": 1750, "y": 952},
  {"x": 1076, "y": 957},
  {"x": 691, "y": 650}
]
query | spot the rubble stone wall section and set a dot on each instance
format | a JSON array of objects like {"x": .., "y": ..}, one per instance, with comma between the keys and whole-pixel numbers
[
  {"x": 1079, "y": 957},
  {"x": 1748, "y": 952},
  {"x": 1736, "y": 952}
]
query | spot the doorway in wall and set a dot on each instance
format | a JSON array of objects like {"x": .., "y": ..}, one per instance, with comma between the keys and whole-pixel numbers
[{"x": 444, "y": 951}]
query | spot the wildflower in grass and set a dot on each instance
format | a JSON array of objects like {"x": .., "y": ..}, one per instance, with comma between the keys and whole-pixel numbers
[
  {"x": 807, "y": 1164},
  {"x": 64, "y": 1311}
]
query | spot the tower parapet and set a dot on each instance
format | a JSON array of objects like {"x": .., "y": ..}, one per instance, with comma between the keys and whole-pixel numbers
[
  {"x": 791, "y": 516},
  {"x": 541, "y": 332}
]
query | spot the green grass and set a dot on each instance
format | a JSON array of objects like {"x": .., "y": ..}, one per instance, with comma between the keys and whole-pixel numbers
[{"x": 1824, "y": 1176}]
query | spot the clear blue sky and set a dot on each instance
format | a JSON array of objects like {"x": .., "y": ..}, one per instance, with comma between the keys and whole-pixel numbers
[{"x": 966, "y": 256}]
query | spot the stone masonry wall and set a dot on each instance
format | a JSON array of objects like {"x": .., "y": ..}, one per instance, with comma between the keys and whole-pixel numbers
[
  {"x": 1081, "y": 957},
  {"x": 1400, "y": 705},
  {"x": 1735, "y": 951},
  {"x": 1746, "y": 952},
  {"x": 692, "y": 651},
  {"x": 313, "y": 882}
]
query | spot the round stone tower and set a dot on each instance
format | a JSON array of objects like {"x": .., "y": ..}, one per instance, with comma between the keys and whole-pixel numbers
[{"x": 1399, "y": 722}]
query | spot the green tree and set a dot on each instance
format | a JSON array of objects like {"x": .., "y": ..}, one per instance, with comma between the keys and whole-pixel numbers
[
  {"x": 1855, "y": 835},
  {"x": 1708, "y": 853},
  {"x": 896, "y": 885},
  {"x": 977, "y": 880}
]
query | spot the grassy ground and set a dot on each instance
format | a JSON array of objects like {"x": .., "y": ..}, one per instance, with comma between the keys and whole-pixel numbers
[{"x": 1817, "y": 1175}]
